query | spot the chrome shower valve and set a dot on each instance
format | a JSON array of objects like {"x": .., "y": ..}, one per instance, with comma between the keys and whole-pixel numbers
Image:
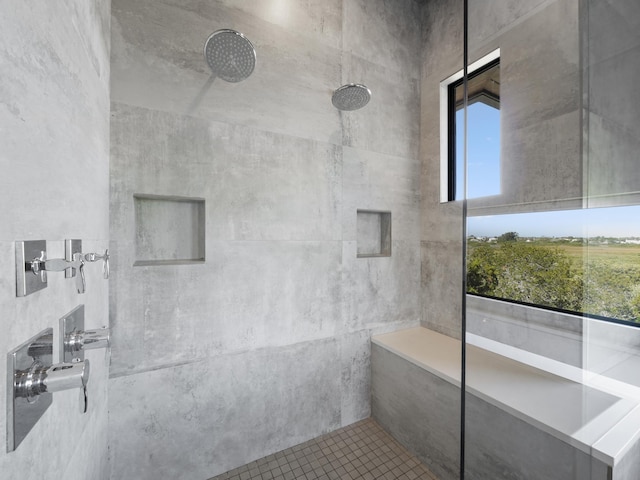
[
  {"x": 32, "y": 379},
  {"x": 87, "y": 340},
  {"x": 40, "y": 266},
  {"x": 39, "y": 379}
]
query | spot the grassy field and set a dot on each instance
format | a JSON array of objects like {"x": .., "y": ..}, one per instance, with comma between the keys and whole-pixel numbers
[
  {"x": 615, "y": 254},
  {"x": 618, "y": 255}
]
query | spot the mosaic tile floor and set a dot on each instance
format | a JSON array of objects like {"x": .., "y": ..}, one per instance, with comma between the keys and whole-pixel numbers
[{"x": 360, "y": 451}]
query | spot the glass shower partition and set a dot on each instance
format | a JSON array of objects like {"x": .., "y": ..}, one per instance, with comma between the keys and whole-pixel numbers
[{"x": 548, "y": 127}]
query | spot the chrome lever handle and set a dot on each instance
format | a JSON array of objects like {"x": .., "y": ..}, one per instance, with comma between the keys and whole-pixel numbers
[
  {"x": 81, "y": 281},
  {"x": 106, "y": 271},
  {"x": 94, "y": 257},
  {"x": 40, "y": 265},
  {"x": 84, "y": 399}
]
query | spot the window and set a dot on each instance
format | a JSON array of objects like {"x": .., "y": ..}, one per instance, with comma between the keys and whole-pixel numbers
[
  {"x": 585, "y": 262},
  {"x": 483, "y": 122}
]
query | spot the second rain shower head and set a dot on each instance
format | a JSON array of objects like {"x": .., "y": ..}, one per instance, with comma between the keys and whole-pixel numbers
[
  {"x": 351, "y": 97},
  {"x": 230, "y": 55}
]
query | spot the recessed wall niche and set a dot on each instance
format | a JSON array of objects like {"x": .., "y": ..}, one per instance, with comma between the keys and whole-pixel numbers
[
  {"x": 169, "y": 230},
  {"x": 373, "y": 233}
]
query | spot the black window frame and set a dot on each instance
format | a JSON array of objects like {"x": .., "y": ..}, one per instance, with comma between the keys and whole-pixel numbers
[{"x": 451, "y": 123}]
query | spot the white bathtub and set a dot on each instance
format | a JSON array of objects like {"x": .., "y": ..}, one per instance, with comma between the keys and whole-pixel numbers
[{"x": 543, "y": 407}]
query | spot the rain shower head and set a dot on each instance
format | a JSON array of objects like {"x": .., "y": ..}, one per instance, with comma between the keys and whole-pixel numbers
[
  {"x": 230, "y": 55},
  {"x": 351, "y": 97}
]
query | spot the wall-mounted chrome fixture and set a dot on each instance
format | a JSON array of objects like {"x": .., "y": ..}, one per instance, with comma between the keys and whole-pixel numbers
[
  {"x": 32, "y": 266},
  {"x": 26, "y": 282},
  {"x": 230, "y": 55},
  {"x": 32, "y": 378},
  {"x": 41, "y": 265},
  {"x": 351, "y": 96},
  {"x": 74, "y": 246},
  {"x": 74, "y": 339}
]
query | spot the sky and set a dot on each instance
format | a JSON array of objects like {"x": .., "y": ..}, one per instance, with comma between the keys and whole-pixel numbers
[
  {"x": 483, "y": 151},
  {"x": 484, "y": 179},
  {"x": 607, "y": 222}
]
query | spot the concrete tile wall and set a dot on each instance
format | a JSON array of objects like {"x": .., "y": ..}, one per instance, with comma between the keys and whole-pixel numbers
[
  {"x": 54, "y": 119},
  {"x": 218, "y": 412},
  {"x": 551, "y": 334},
  {"x": 540, "y": 107},
  {"x": 541, "y": 129},
  {"x": 266, "y": 344},
  {"x": 629, "y": 467},
  {"x": 441, "y": 224},
  {"x": 612, "y": 50}
]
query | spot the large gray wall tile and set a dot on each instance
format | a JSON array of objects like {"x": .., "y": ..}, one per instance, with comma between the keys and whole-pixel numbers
[
  {"x": 390, "y": 122},
  {"x": 375, "y": 289},
  {"x": 320, "y": 21},
  {"x": 207, "y": 417},
  {"x": 373, "y": 181},
  {"x": 489, "y": 18},
  {"x": 373, "y": 32},
  {"x": 540, "y": 104},
  {"x": 356, "y": 377},
  {"x": 551, "y": 334},
  {"x": 257, "y": 185},
  {"x": 629, "y": 466},
  {"x": 248, "y": 295},
  {"x": 158, "y": 64},
  {"x": 613, "y": 124},
  {"x": 442, "y": 42},
  {"x": 54, "y": 119},
  {"x": 441, "y": 224},
  {"x": 612, "y": 29},
  {"x": 441, "y": 286}
]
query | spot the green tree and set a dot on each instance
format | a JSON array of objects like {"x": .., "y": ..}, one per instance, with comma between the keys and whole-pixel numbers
[
  {"x": 539, "y": 275},
  {"x": 635, "y": 303},
  {"x": 525, "y": 273},
  {"x": 508, "y": 237},
  {"x": 482, "y": 271},
  {"x": 612, "y": 290}
]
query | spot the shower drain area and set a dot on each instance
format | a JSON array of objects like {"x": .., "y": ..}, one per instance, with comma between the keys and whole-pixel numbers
[
  {"x": 373, "y": 233},
  {"x": 169, "y": 230},
  {"x": 359, "y": 451}
]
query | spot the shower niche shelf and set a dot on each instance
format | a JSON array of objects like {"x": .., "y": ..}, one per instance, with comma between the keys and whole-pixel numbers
[
  {"x": 169, "y": 230},
  {"x": 373, "y": 233}
]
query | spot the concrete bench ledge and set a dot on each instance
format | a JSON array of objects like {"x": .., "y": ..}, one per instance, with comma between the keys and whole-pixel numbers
[{"x": 598, "y": 416}]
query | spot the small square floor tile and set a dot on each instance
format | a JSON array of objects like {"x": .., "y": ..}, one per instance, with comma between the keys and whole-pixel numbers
[{"x": 362, "y": 451}]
